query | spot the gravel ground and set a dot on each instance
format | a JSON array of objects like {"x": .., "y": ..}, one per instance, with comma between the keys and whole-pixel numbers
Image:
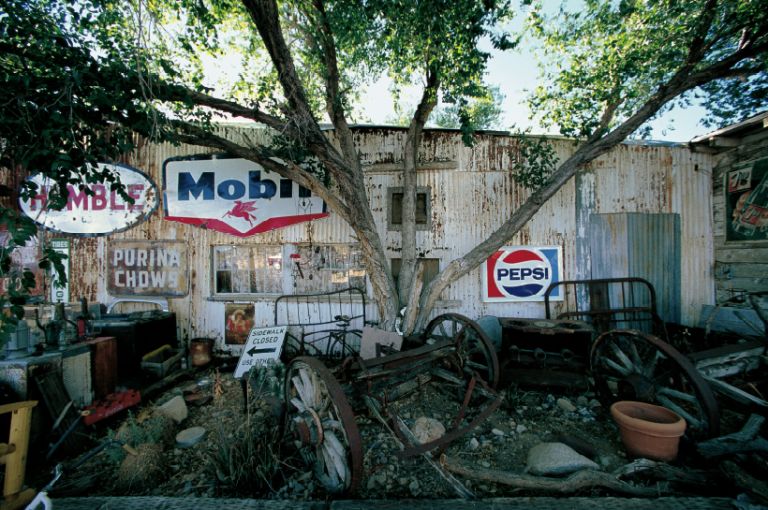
[{"x": 238, "y": 455}]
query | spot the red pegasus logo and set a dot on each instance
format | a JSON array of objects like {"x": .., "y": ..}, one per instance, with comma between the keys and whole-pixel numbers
[{"x": 243, "y": 210}]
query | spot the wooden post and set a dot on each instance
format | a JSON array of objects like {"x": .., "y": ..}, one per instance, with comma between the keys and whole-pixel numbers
[{"x": 15, "y": 458}]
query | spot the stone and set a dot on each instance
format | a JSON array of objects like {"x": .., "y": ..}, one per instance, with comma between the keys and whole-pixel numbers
[
  {"x": 413, "y": 486},
  {"x": 190, "y": 437},
  {"x": 582, "y": 401},
  {"x": 548, "y": 459},
  {"x": 474, "y": 444},
  {"x": 485, "y": 463},
  {"x": 497, "y": 432},
  {"x": 427, "y": 429},
  {"x": 521, "y": 428},
  {"x": 175, "y": 409},
  {"x": 566, "y": 405}
]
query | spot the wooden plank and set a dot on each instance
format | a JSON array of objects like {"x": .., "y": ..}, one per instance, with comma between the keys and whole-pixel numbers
[
  {"x": 16, "y": 462},
  {"x": 9, "y": 408},
  {"x": 741, "y": 321},
  {"x": 743, "y": 284},
  {"x": 742, "y": 270}
]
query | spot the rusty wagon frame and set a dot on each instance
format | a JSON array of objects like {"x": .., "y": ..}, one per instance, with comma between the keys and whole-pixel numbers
[{"x": 324, "y": 393}]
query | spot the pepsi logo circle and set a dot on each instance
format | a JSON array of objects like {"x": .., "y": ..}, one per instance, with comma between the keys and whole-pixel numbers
[{"x": 519, "y": 273}]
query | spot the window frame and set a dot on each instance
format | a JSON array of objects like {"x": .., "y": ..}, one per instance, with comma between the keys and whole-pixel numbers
[
  {"x": 420, "y": 225},
  {"x": 284, "y": 283}
]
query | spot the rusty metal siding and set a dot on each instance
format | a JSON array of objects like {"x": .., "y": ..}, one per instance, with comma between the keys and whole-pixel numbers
[
  {"x": 644, "y": 245},
  {"x": 472, "y": 192}
]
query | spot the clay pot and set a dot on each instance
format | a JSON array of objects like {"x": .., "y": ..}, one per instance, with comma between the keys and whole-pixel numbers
[
  {"x": 200, "y": 351},
  {"x": 648, "y": 430}
]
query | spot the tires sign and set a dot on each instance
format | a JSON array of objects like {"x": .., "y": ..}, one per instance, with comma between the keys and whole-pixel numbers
[
  {"x": 95, "y": 209},
  {"x": 234, "y": 196},
  {"x": 522, "y": 273}
]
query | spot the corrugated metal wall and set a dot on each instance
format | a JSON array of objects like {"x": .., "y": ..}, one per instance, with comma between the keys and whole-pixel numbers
[{"x": 472, "y": 193}]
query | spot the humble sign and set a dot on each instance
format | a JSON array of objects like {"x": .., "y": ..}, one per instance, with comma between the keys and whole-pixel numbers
[
  {"x": 95, "y": 209},
  {"x": 147, "y": 268},
  {"x": 262, "y": 346}
]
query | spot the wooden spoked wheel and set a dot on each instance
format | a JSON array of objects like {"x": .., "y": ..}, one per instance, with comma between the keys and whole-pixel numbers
[
  {"x": 474, "y": 348},
  {"x": 631, "y": 365},
  {"x": 321, "y": 425}
]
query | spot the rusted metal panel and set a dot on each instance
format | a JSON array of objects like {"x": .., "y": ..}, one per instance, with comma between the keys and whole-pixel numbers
[
  {"x": 472, "y": 190},
  {"x": 147, "y": 268}
]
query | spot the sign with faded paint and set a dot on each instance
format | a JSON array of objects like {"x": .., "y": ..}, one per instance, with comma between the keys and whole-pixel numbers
[
  {"x": 238, "y": 322},
  {"x": 147, "y": 268},
  {"x": 60, "y": 293},
  {"x": 262, "y": 347},
  {"x": 95, "y": 210},
  {"x": 746, "y": 199},
  {"x": 522, "y": 273},
  {"x": 234, "y": 196}
]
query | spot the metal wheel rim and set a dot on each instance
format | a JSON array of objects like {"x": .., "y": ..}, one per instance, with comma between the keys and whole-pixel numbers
[
  {"x": 632, "y": 358},
  {"x": 336, "y": 457},
  {"x": 475, "y": 348}
]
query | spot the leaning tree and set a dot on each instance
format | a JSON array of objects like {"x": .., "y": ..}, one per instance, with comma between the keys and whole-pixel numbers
[{"x": 116, "y": 67}]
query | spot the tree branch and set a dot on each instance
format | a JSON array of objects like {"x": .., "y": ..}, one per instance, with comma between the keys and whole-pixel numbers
[{"x": 683, "y": 80}]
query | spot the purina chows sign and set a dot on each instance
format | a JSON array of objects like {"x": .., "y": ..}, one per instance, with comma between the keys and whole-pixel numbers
[
  {"x": 235, "y": 196},
  {"x": 522, "y": 273},
  {"x": 96, "y": 210}
]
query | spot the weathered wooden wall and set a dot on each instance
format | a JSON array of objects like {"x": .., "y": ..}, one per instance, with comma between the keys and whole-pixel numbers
[{"x": 740, "y": 266}]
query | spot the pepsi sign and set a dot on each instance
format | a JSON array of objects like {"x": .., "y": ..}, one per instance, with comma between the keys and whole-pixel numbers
[
  {"x": 235, "y": 196},
  {"x": 521, "y": 273}
]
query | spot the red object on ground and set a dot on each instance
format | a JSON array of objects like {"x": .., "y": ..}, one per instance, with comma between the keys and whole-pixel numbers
[{"x": 112, "y": 404}]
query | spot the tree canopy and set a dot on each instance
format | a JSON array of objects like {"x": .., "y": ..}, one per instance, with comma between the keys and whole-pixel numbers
[{"x": 80, "y": 78}]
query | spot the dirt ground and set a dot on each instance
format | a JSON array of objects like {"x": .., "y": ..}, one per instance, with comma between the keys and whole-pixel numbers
[{"x": 239, "y": 454}]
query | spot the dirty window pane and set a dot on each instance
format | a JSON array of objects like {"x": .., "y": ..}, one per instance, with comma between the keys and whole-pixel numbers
[
  {"x": 321, "y": 268},
  {"x": 253, "y": 269},
  {"x": 396, "y": 212}
]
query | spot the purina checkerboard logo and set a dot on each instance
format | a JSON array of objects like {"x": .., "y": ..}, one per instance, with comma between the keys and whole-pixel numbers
[{"x": 521, "y": 273}]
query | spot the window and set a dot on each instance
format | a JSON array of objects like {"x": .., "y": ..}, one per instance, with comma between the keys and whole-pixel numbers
[
  {"x": 253, "y": 269},
  {"x": 320, "y": 268},
  {"x": 289, "y": 269},
  {"x": 423, "y": 208}
]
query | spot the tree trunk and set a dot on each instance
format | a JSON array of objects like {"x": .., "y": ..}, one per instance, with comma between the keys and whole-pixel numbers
[{"x": 407, "y": 280}]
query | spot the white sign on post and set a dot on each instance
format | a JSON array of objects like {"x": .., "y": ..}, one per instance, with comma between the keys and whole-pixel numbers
[{"x": 263, "y": 345}]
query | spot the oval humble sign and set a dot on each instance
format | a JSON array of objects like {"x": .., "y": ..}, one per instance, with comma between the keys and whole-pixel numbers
[{"x": 99, "y": 212}]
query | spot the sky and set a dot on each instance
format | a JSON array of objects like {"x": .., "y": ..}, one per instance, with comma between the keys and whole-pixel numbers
[{"x": 515, "y": 72}]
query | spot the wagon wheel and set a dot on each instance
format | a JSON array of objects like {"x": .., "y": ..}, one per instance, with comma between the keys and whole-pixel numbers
[
  {"x": 475, "y": 349},
  {"x": 630, "y": 365},
  {"x": 321, "y": 424}
]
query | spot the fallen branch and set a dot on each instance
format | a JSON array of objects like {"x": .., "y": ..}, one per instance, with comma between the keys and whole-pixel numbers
[
  {"x": 745, "y": 440},
  {"x": 745, "y": 481},
  {"x": 584, "y": 479}
]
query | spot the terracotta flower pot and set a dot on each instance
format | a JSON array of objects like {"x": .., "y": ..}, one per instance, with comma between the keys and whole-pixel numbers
[{"x": 648, "y": 430}]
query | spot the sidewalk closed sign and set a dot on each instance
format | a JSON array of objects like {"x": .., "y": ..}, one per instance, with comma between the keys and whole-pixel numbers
[{"x": 263, "y": 345}]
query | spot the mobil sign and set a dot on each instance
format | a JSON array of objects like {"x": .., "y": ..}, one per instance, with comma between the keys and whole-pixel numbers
[
  {"x": 522, "y": 273},
  {"x": 234, "y": 196}
]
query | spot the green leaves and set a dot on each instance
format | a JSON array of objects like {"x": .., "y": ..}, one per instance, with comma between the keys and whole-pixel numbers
[{"x": 605, "y": 61}]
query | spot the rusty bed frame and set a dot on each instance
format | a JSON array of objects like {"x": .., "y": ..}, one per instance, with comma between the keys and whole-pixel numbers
[{"x": 326, "y": 325}]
